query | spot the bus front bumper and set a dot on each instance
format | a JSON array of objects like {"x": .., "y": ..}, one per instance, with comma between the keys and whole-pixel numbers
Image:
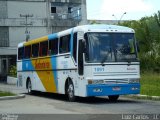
[{"x": 112, "y": 89}]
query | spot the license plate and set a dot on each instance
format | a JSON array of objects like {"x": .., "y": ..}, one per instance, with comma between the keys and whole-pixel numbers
[{"x": 116, "y": 88}]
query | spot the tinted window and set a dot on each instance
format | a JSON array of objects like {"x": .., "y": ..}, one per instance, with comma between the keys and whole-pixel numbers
[
  {"x": 99, "y": 47},
  {"x": 53, "y": 46},
  {"x": 20, "y": 53},
  {"x": 27, "y": 52},
  {"x": 64, "y": 46},
  {"x": 106, "y": 47},
  {"x": 44, "y": 48},
  {"x": 35, "y": 50},
  {"x": 75, "y": 46},
  {"x": 124, "y": 47}
]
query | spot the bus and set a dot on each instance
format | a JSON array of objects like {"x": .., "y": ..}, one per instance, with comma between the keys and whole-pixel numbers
[{"x": 85, "y": 61}]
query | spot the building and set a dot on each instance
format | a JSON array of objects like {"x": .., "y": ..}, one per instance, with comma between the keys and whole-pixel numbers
[{"x": 21, "y": 20}]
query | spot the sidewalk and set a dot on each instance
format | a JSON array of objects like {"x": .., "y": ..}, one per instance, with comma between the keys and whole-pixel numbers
[
  {"x": 11, "y": 88},
  {"x": 144, "y": 97}
]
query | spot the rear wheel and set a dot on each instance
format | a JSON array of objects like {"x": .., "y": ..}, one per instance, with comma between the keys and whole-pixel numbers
[
  {"x": 70, "y": 92},
  {"x": 29, "y": 87},
  {"x": 113, "y": 97}
]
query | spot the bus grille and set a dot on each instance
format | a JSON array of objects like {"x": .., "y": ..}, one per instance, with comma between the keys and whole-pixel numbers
[{"x": 120, "y": 81}]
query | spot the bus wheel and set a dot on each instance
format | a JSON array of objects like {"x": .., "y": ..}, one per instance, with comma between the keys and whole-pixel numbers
[
  {"x": 113, "y": 98},
  {"x": 70, "y": 92},
  {"x": 29, "y": 87}
]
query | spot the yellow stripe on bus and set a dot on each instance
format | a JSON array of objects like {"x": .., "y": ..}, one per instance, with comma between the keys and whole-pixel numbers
[
  {"x": 43, "y": 68},
  {"x": 36, "y": 40}
]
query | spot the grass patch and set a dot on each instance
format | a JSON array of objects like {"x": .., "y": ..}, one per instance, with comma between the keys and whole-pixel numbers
[
  {"x": 6, "y": 94},
  {"x": 150, "y": 84}
]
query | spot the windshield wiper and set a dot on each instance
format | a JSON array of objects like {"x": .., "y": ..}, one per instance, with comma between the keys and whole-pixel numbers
[
  {"x": 103, "y": 60},
  {"x": 106, "y": 57}
]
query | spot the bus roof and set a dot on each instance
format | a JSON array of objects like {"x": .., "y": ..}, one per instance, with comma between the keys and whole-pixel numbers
[
  {"x": 84, "y": 28},
  {"x": 98, "y": 28},
  {"x": 104, "y": 27}
]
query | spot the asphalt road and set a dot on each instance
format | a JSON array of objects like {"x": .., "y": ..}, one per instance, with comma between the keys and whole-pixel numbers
[
  {"x": 46, "y": 106},
  {"x": 45, "y": 103}
]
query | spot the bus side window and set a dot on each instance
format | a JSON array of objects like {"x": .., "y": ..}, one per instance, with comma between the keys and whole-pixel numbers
[
  {"x": 64, "y": 46},
  {"x": 53, "y": 46},
  {"x": 27, "y": 53},
  {"x": 43, "y": 48},
  {"x": 75, "y": 46},
  {"x": 20, "y": 53},
  {"x": 35, "y": 50}
]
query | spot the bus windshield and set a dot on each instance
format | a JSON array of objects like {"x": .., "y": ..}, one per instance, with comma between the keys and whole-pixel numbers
[{"x": 110, "y": 47}]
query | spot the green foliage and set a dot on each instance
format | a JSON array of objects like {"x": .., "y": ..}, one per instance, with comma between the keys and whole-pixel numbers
[
  {"x": 148, "y": 35},
  {"x": 157, "y": 18},
  {"x": 13, "y": 71},
  {"x": 150, "y": 83},
  {"x": 94, "y": 22},
  {"x": 6, "y": 94}
]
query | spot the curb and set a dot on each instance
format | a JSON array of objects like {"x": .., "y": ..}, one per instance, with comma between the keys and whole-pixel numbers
[
  {"x": 146, "y": 97},
  {"x": 12, "y": 97}
]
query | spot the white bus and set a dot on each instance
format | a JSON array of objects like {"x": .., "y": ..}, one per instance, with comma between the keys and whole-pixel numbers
[{"x": 89, "y": 60}]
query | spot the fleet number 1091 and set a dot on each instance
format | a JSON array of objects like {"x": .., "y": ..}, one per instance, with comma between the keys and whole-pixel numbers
[{"x": 99, "y": 69}]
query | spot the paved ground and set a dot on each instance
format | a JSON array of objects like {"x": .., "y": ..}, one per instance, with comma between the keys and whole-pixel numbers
[{"x": 42, "y": 103}]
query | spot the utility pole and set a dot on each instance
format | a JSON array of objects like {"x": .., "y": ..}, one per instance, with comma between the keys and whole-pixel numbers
[{"x": 26, "y": 16}]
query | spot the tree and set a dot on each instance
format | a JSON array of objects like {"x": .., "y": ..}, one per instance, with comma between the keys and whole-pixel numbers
[
  {"x": 157, "y": 18},
  {"x": 147, "y": 31},
  {"x": 94, "y": 22}
]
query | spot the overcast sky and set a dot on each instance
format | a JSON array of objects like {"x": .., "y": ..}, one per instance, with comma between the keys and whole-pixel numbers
[{"x": 135, "y": 9}]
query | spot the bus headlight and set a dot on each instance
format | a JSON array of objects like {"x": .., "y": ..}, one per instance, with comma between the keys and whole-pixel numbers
[
  {"x": 133, "y": 80},
  {"x": 95, "y": 81}
]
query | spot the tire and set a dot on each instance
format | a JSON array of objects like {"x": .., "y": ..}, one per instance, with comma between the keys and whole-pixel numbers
[
  {"x": 70, "y": 92},
  {"x": 113, "y": 98},
  {"x": 29, "y": 87}
]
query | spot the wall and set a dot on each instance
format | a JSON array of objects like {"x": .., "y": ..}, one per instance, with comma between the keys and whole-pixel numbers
[
  {"x": 17, "y": 27},
  {"x": 84, "y": 12},
  {"x": 17, "y": 34},
  {"x": 3, "y": 9},
  {"x": 4, "y": 39},
  {"x": 11, "y": 80},
  {"x": 40, "y": 24},
  {"x": 12, "y": 26},
  {"x": 15, "y": 8}
]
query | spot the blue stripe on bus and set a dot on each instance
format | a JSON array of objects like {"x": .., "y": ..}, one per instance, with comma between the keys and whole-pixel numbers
[
  {"x": 105, "y": 90},
  {"x": 27, "y": 65},
  {"x": 52, "y": 36},
  {"x": 71, "y": 42},
  {"x": 54, "y": 66}
]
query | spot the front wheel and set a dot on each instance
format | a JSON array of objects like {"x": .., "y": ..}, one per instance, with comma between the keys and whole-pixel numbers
[
  {"x": 29, "y": 87},
  {"x": 113, "y": 98},
  {"x": 70, "y": 92}
]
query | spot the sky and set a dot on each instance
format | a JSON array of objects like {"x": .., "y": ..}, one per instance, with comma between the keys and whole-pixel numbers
[{"x": 115, "y": 9}]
